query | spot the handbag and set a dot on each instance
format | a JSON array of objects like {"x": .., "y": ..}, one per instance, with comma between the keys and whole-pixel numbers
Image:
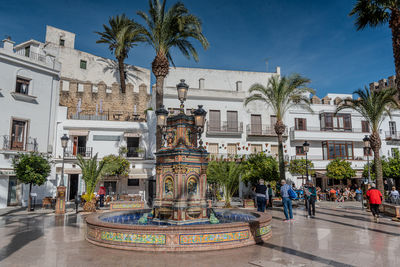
[{"x": 292, "y": 193}]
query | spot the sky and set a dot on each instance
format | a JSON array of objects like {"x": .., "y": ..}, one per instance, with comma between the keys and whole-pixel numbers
[{"x": 314, "y": 38}]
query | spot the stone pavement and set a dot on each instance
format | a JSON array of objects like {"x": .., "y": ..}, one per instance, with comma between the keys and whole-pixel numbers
[{"x": 338, "y": 236}]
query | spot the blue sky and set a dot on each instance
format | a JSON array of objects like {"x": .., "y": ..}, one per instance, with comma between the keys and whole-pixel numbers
[{"x": 312, "y": 37}]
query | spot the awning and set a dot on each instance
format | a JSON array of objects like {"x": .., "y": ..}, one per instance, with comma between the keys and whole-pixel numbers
[
  {"x": 132, "y": 135},
  {"x": 139, "y": 174},
  {"x": 78, "y": 132}
]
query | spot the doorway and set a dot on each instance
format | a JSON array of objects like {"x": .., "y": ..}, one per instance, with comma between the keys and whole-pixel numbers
[
  {"x": 132, "y": 144},
  {"x": 80, "y": 146},
  {"x": 73, "y": 185},
  {"x": 18, "y": 135},
  {"x": 12, "y": 191}
]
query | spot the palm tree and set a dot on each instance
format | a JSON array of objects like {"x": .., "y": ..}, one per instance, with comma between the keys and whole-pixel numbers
[
  {"x": 121, "y": 35},
  {"x": 226, "y": 174},
  {"x": 374, "y": 106},
  {"x": 164, "y": 30},
  {"x": 91, "y": 173},
  {"x": 281, "y": 94},
  {"x": 377, "y": 12}
]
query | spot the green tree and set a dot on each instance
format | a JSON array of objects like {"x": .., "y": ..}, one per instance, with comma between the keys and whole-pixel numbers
[
  {"x": 260, "y": 166},
  {"x": 379, "y": 12},
  {"x": 32, "y": 169},
  {"x": 390, "y": 167},
  {"x": 92, "y": 171},
  {"x": 226, "y": 174},
  {"x": 340, "y": 169},
  {"x": 166, "y": 29},
  {"x": 121, "y": 35},
  {"x": 299, "y": 167},
  {"x": 281, "y": 94},
  {"x": 115, "y": 165},
  {"x": 374, "y": 106}
]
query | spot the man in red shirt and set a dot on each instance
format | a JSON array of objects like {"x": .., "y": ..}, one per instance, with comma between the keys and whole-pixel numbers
[{"x": 375, "y": 199}]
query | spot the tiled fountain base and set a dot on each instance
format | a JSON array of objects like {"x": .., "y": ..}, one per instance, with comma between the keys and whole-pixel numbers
[{"x": 178, "y": 238}]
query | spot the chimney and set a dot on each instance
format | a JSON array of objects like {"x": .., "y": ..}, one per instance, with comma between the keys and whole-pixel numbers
[
  {"x": 238, "y": 86},
  {"x": 8, "y": 45},
  {"x": 278, "y": 70},
  {"x": 201, "y": 83}
]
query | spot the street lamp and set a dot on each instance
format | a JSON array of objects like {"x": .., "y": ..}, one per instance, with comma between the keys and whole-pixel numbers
[
  {"x": 162, "y": 115},
  {"x": 306, "y": 148},
  {"x": 182, "y": 88},
  {"x": 199, "y": 120},
  {"x": 367, "y": 147},
  {"x": 64, "y": 144}
]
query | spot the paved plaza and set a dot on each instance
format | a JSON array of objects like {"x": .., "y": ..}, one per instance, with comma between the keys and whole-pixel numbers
[{"x": 338, "y": 236}]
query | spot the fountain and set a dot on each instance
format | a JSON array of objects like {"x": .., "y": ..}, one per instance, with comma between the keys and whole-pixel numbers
[{"x": 180, "y": 219}]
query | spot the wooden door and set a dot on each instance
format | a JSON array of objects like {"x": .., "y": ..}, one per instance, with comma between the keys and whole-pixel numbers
[
  {"x": 255, "y": 124},
  {"x": 232, "y": 118},
  {"x": 18, "y": 135}
]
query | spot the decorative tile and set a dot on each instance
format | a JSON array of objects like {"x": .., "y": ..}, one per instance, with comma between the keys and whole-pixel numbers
[
  {"x": 263, "y": 230},
  {"x": 193, "y": 239},
  {"x": 116, "y": 206},
  {"x": 156, "y": 239}
]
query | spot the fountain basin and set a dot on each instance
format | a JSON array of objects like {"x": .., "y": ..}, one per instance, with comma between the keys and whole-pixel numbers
[{"x": 120, "y": 230}]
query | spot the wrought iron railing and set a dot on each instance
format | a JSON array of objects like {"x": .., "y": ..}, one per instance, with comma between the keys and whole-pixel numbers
[
  {"x": 261, "y": 130},
  {"x": 102, "y": 115},
  {"x": 392, "y": 135},
  {"x": 72, "y": 152},
  {"x": 136, "y": 152},
  {"x": 13, "y": 143},
  {"x": 321, "y": 129},
  {"x": 225, "y": 127}
]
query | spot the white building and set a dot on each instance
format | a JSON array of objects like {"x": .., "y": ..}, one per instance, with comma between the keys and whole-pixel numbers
[
  {"x": 28, "y": 92},
  {"x": 232, "y": 128}
]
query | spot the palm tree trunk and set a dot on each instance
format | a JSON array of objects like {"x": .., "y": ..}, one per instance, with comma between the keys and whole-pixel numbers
[
  {"x": 376, "y": 146},
  {"x": 160, "y": 68},
  {"x": 121, "y": 68},
  {"x": 280, "y": 129},
  {"x": 394, "y": 24}
]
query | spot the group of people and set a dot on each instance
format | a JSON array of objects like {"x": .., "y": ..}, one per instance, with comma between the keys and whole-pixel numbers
[{"x": 344, "y": 194}]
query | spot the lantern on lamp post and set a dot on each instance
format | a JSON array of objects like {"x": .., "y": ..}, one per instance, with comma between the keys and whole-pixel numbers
[
  {"x": 199, "y": 120},
  {"x": 182, "y": 89},
  {"x": 64, "y": 144},
  {"x": 306, "y": 148},
  {"x": 162, "y": 115},
  {"x": 367, "y": 147}
]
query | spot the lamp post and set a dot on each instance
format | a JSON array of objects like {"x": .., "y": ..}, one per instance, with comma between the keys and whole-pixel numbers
[
  {"x": 182, "y": 89},
  {"x": 199, "y": 120},
  {"x": 367, "y": 146},
  {"x": 306, "y": 148},
  {"x": 60, "y": 202}
]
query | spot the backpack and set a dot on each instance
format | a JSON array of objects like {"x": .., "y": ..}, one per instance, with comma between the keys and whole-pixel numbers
[{"x": 292, "y": 193}]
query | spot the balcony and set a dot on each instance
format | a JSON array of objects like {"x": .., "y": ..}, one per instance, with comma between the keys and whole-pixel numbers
[
  {"x": 135, "y": 152},
  {"x": 47, "y": 60},
  {"x": 101, "y": 115},
  {"x": 10, "y": 143},
  {"x": 317, "y": 134},
  {"x": 72, "y": 152},
  {"x": 225, "y": 129},
  {"x": 261, "y": 130},
  {"x": 320, "y": 163},
  {"x": 392, "y": 136}
]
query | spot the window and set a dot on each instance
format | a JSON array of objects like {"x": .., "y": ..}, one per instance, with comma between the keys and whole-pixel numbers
[
  {"x": 213, "y": 149},
  {"x": 232, "y": 121},
  {"x": 274, "y": 151},
  {"x": 18, "y": 135},
  {"x": 365, "y": 126},
  {"x": 392, "y": 127},
  {"x": 231, "y": 149},
  {"x": 62, "y": 42},
  {"x": 394, "y": 150},
  {"x": 132, "y": 144},
  {"x": 300, "y": 150},
  {"x": 83, "y": 64},
  {"x": 22, "y": 86},
  {"x": 337, "y": 149},
  {"x": 133, "y": 182},
  {"x": 300, "y": 124},
  {"x": 273, "y": 120},
  {"x": 215, "y": 120},
  {"x": 340, "y": 122},
  {"x": 27, "y": 51},
  {"x": 256, "y": 148},
  {"x": 256, "y": 127}
]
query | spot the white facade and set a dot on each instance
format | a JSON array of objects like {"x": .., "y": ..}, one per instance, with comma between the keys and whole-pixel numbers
[{"x": 28, "y": 92}]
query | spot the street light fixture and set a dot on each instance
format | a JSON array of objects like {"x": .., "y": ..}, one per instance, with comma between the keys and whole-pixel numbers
[
  {"x": 367, "y": 147},
  {"x": 306, "y": 148},
  {"x": 64, "y": 144},
  {"x": 162, "y": 115},
  {"x": 199, "y": 120},
  {"x": 182, "y": 88}
]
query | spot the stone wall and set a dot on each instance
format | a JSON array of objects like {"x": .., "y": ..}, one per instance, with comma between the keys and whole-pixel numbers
[{"x": 110, "y": 101}]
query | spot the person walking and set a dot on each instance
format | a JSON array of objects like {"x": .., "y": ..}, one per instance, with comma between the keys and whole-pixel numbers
[
  {"x": 311, "y": 196},
  {"x": 375, "y": 200},
  {"x": 102, "y": 193},
  {"x": 270, "y": 195},
  {"x": 261, "y": 195},
  {"x": 286, "y": 201}
]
